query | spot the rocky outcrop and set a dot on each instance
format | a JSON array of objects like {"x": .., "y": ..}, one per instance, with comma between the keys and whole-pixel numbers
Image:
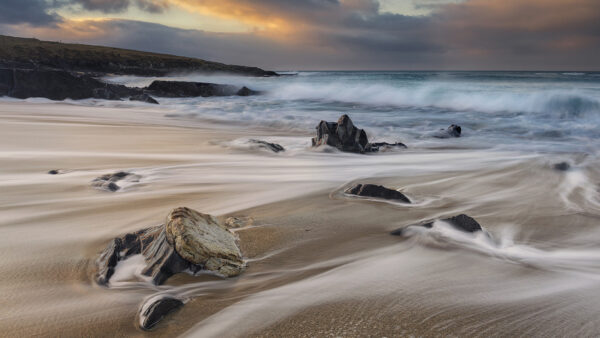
[
  {"x": 344, "y": 136},
  {"x": 274, "y": 147},
  {"x": 377, "y": 191},
  {"x": 452, "y": 131},
  {"x": 189, "y": 241},
  {"x": 461, "y": 222},
  {"x": 154, "y": 309},
  {"x": 143, "y": 98},
  {"x": 193, "y": 89},
  {"x": 245, "y": 91},
  {"x": 384, "y": 146},
  {"x": 45, "y": 55},
  {"x": 57, "y": 85},
  {"x": 108, "y": 182}
]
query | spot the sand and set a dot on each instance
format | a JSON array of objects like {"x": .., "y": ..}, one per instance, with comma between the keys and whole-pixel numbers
[{"x": 319, "y": 263}]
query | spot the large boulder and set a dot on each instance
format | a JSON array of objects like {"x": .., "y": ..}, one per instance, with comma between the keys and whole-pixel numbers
[
  {"x": 189, "y": 241},
  {"x": 460, "y": 222},
  {"x": 377, "y": 191},
  {"x": 344, "y": 136},
  {"x": 194, "y": 89}
]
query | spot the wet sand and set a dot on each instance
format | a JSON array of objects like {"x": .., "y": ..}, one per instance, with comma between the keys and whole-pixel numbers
[{"x": 319, "y": 263}]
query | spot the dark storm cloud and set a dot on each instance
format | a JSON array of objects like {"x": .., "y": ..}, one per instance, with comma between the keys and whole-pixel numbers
[
  {"x": 116, "y": 6},
  {"x": 33, "y": 12}
]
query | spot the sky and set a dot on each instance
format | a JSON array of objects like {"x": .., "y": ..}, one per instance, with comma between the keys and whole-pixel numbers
[{"x": 329, "y": 34}]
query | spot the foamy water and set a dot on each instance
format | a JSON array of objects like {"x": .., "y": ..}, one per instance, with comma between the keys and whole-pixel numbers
[{"x": 319, "y": 262}]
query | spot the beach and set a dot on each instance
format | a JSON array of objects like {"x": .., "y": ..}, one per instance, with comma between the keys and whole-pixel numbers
[{"x": 319, "y": 262}]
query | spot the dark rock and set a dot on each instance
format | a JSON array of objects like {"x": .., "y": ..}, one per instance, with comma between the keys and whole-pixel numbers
[
  {"x": 452, "y": 131},
  {"x": 377, "y": 191},
  {"x": 193, "y": 89},
  {"x": 383, "y": 146},
  {"x": 155, "y": 309},
  {"x": 189, "y": 241},
  {"x": 57, "y": 85},
  {"x": 344, "y": 136},
  {"x": 562, "y": 166},
  {"x": 245, "y": 91},
  {"x": 56, "y": 172},
  {"x": 274, "y": 147},
  {"x": 107, "y": 182},
  {"x": 143, "y": 98},
  {"x": 461, "y": 222}
]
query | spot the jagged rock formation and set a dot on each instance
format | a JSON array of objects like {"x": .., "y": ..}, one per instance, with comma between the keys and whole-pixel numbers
[
  {"x": 461, "y": 222},
  {"x": 377, "y": 191},
  {"x": 344, "y": 136},
  {"x": 189, "y": 241},
  {"x": 274, "y": 147}
]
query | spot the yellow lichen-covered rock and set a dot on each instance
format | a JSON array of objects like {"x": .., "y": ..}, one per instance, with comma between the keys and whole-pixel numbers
[{"x": 200, "y": 239}]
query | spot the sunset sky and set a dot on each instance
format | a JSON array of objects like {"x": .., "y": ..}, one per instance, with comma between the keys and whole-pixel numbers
[{"x": 329, "y": 34}]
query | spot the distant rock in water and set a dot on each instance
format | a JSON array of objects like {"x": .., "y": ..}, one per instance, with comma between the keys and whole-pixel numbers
[
  {"x": 189, "y": 241},
  {"x": 143, "y": 98},
  {"x": 245, "y": 91},
  {"x": 452, "y": 131},
  {"x": 344, "y": 136},
  {"x": 108, "y": 182},
  {"x": 461, "y": 222},
  {"x": 383, "y": 146},
  {"x": 56, "y": 172},
  {"x": 377, "y": 191},
  {"x": 274, "y": 147},
  {"x": 155, "y": 309},
  {"x": 562, "y": 166},
  {"x": 194, "y": 89}
]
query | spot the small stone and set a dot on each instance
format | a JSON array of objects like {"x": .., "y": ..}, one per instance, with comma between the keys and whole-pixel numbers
[
  {"x": 460, "y": 222},
  {"x": 156, "y": 309},
  {"x": 274, "y": 147},
  {"x": 562, "y": 166},
  {"x": 377, "y": 191}
]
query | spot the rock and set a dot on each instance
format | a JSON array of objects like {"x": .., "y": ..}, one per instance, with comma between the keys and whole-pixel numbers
[
  {"x": 245, "y": 91},
  {"x": 377, "y": 191},
  {"x": 344, "y": 136},
  {"x": 193, "y": 89},
  {"x": 56, "y": 172},
  {"x": 107, "y": 182},
  {"x": 461, "y": 222},
  {"x": 143, "y": 98},
  {"x": 57, "y": 85},
  {"x": 238, "y": 222},
  {"x": 384, "y": 146},
  {"x": 562, "y": 166},
  {"x": 452, "y": 131},
  {"x": 274, "y": 147},
  {"x": 155, "y": 309},
  {"x": 188, "y": 242},
  {"x": 199, "y": 239}
]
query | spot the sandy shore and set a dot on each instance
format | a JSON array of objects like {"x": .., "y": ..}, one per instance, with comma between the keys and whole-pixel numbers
[{"x": 319, "y": 263}]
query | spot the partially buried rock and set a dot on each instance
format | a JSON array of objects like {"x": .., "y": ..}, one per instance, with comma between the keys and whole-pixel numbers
[
  {"x": 274, "y": 147},
  {"x": 344, "y": 136},
  {"x": 461, "y": 222},
  {"x": 562, "y": 166},
  {"x": 189, "y": 242},
  {"x": 155, "y": 309},
  {"x": 384, "y": 146},
  {"x": 143, "y": 98},
  {"x": 452, "y": 131},
  {"x": 56, "y": 172},
  {"x": 377, "y": 191},
  {"x": 108, "y": 182}
]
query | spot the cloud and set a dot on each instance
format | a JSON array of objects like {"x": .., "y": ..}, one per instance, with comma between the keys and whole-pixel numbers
[
  {"x": 116, "y": 6},
  {"x": 355, "y": 34},
  {"x": 33, "y": 12}
]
